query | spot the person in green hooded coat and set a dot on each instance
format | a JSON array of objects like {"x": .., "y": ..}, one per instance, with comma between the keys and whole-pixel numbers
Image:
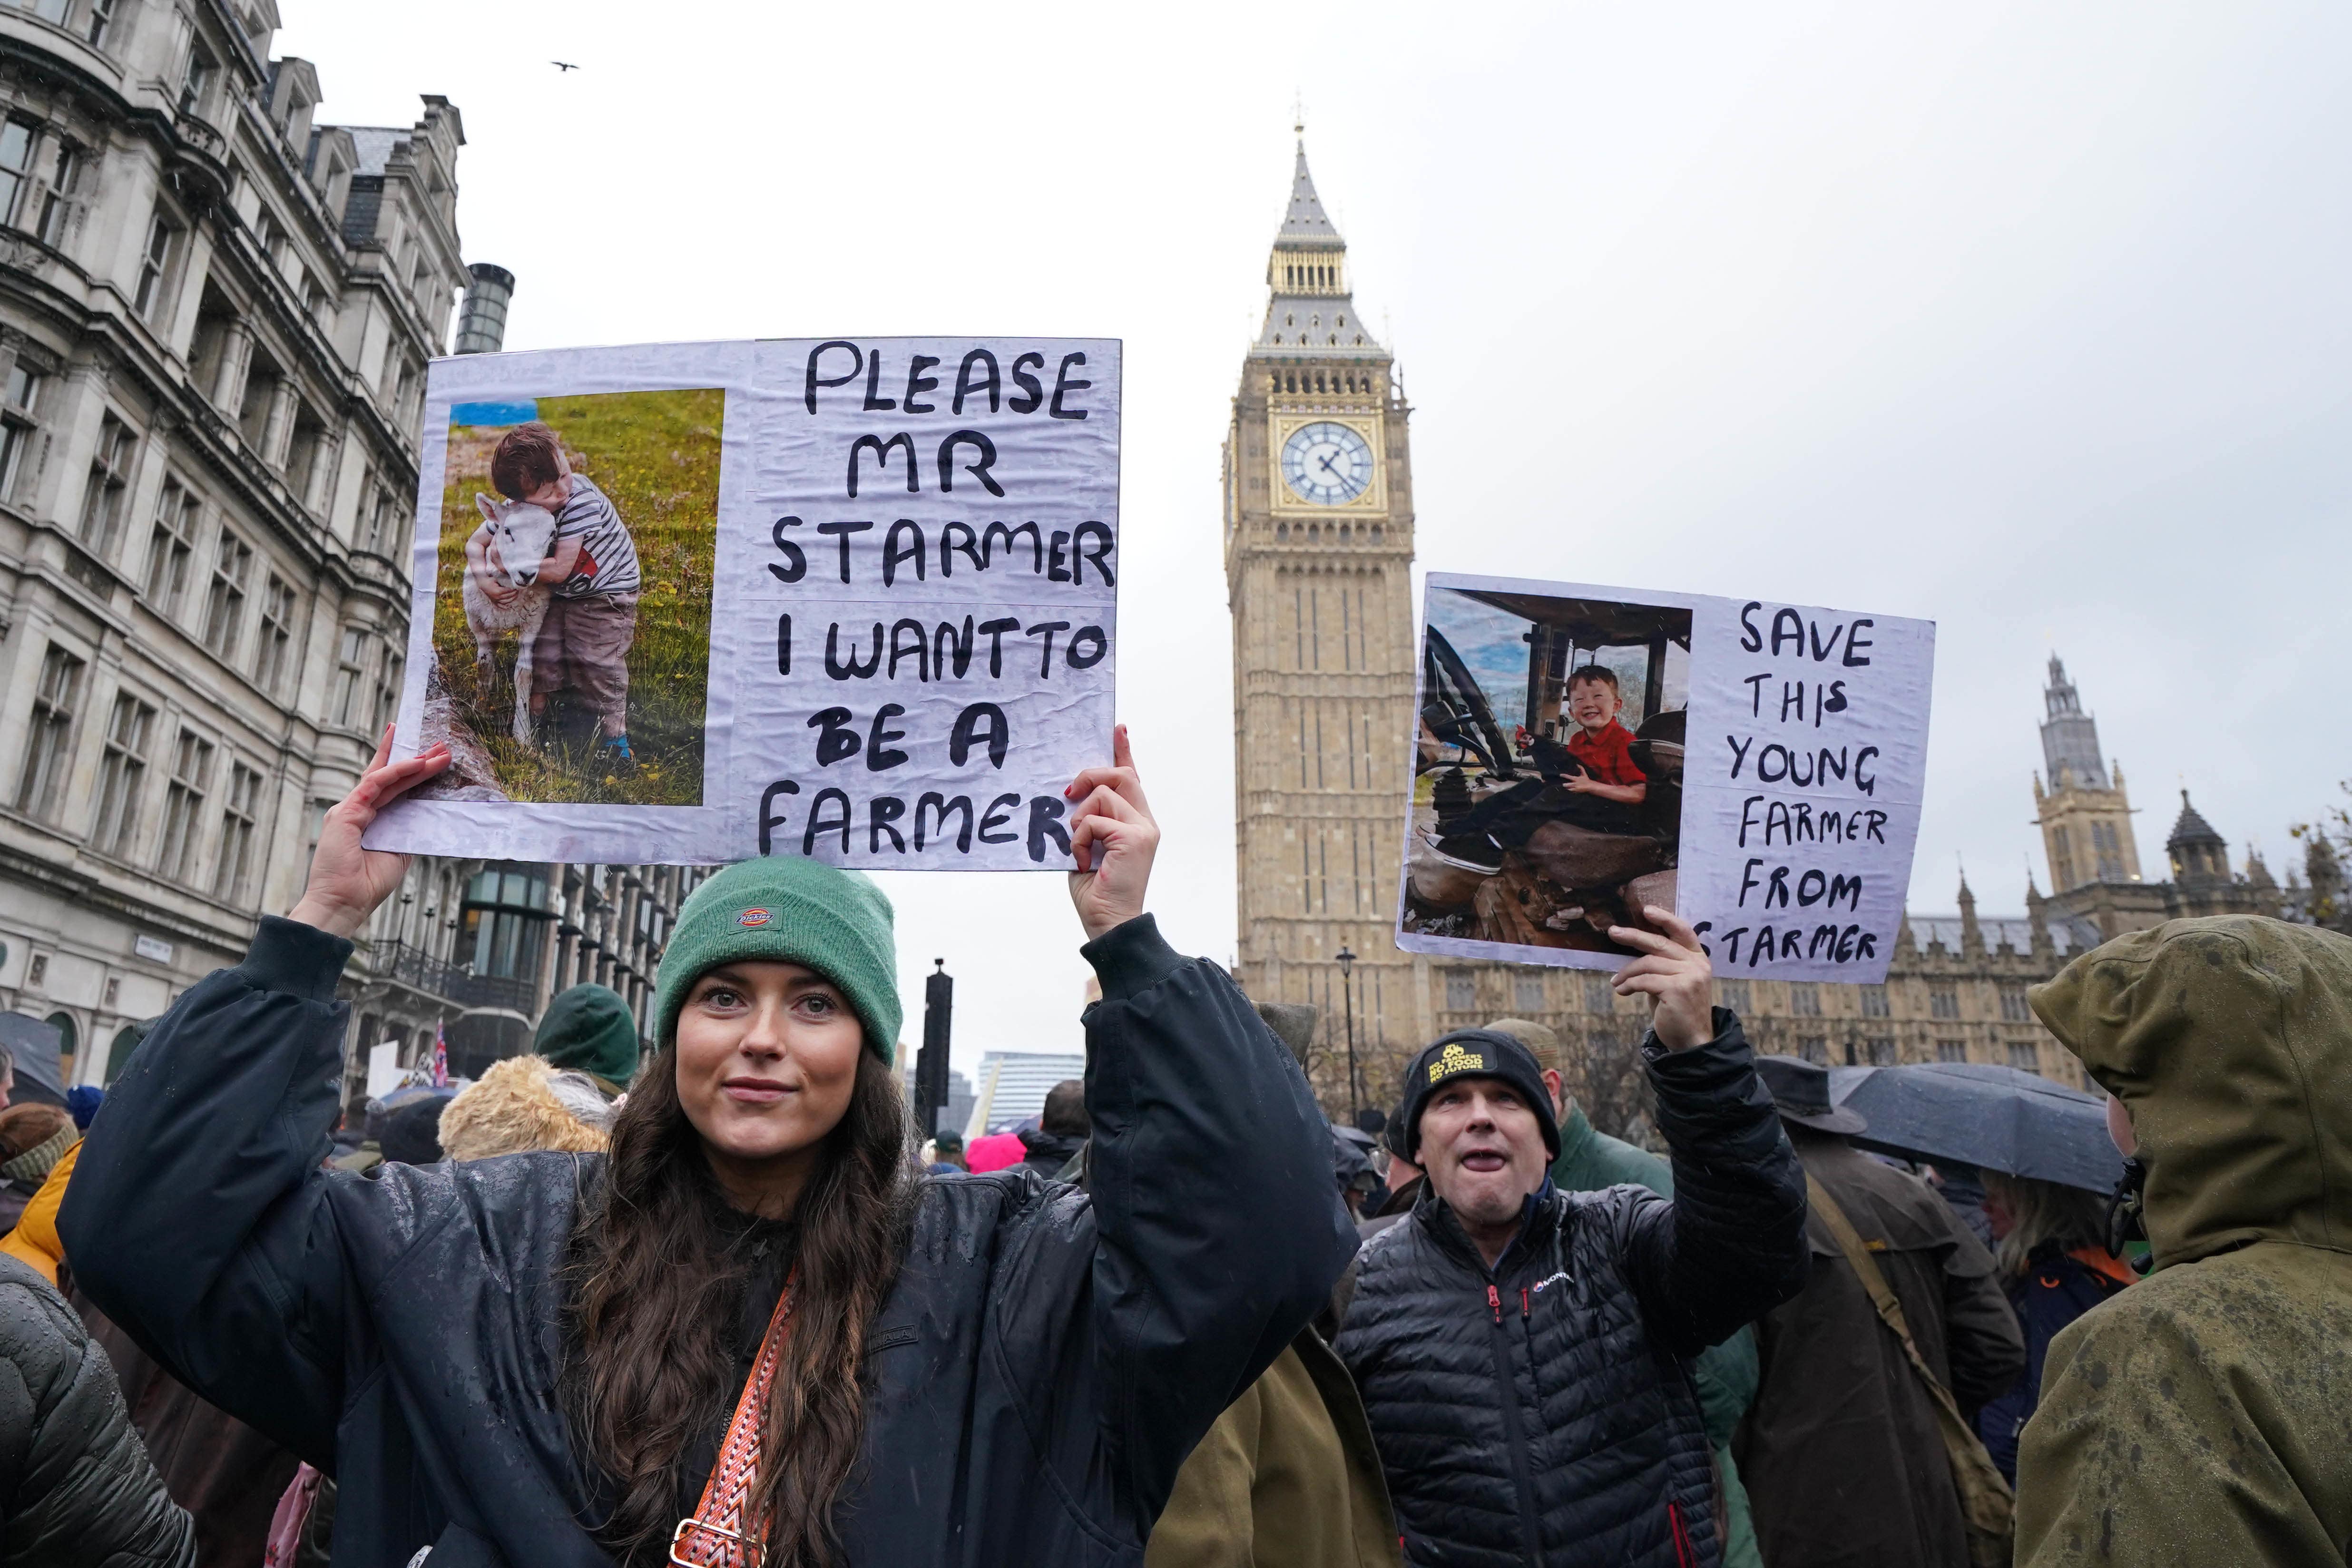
[
  {"x": 1725, "y": 1376},
  {"x": 589, "y": 1029},
  {"x": 2200, "y": 1417}
]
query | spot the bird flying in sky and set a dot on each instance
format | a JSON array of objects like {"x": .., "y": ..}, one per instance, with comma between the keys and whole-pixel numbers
[{"x": 564, "y": 65}]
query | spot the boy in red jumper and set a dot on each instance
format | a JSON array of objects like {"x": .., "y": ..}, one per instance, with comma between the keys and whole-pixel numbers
[{"x": 1592, "y": 783}]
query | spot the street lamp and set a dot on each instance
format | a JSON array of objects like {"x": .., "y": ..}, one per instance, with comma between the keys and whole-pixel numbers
[{"x": 1347, "y": 996}]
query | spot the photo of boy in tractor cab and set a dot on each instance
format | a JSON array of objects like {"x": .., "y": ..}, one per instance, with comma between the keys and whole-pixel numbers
[{"x": 1569, "y": 824}]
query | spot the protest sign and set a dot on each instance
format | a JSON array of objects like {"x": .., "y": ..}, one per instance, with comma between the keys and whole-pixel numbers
[
  {"x": 1581, "y": 752},
  {"x": 850, "y": 598}
]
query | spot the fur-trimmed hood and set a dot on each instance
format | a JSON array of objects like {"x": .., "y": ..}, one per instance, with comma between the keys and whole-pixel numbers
[{"x": 522, "y": 1103}]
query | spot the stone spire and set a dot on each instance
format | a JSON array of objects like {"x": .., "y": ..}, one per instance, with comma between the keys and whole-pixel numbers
[
  {"x": 2037, "y": 918},
  {"x": 2197, "y": 852},
  {"x": 1972, "y": 942},
  {"x": 2070, "y": 737},
  {"x": 1311, "y": 309}
]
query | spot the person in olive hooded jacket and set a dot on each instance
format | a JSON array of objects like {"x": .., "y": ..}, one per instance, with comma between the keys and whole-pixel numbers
[{"x": 2200, "y": 1416}]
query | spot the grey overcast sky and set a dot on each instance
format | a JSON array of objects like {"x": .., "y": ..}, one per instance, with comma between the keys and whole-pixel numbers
[{"x": 2028, "y": 319}]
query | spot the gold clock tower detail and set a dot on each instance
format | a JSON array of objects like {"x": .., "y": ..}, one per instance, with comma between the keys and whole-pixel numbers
[{"x": 1318, "y": 557}]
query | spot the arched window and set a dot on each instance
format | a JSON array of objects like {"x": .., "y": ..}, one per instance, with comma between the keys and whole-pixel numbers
[
  {"x": 1282, "y": 530},
  {"x": 1343, "y": 533},
  {"x": 1314, "y": 532},
  {"x": 118, "y": 1055},
  {"x": 69, "y": 1037}
]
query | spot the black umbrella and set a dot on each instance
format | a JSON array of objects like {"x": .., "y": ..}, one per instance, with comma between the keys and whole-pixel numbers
[
  {"x": 36, "y": 1049},
  {"x": 1995, "y": 1117}
]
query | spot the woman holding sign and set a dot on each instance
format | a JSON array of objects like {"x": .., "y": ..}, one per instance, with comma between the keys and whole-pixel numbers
[{"x": 750, "y": 1334}]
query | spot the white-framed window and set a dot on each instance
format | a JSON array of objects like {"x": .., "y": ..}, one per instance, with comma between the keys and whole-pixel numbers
[
  {"x": 196, "y": 80},
  {"x": 155, "y": 265},
  {"x": 271, "y": 648},
  {"x": 350, "y": 674},
  {"x": 101, "y": 19},
  {"x": 387, "y": 690},
  {"x": 225, "y": 601},
  {"x": 169, "y": 546},
  {"x": 19, "y": 403},
  {"x": 56, "y": 202},
  {"x": 18, "y": 138},
  {"x": 122, "y": 775},
  {"x": 49, "y": 738},
  {"x": 233, "y": 872},
  {"x": 183, "y": 806},
  {"x": 110, "y": 484}
]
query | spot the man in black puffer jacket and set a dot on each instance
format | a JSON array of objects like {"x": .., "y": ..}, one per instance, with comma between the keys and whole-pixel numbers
[
  {"x": 1523, "y": 1352},
  {"x": 75, "y": 1487}
]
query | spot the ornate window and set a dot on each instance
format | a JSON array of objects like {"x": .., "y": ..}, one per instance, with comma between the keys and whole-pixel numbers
[
  {"x": 225, "y": 601},
  {"x": 1951, "y": 1050},
  {"x": 1943, "y": 1000},
  {"x": 169, "y": 547},
  {"x": 109, "y": 485},
  {"x": 122, "y": 775},
  {"x": 183, "y": 805},
  {"x": 233, "y": 871},
  {"x": 49, "y": 738},
  {"x": 269, "y": 653}
]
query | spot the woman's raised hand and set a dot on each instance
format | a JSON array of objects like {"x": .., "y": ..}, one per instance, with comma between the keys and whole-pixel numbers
[
  {"x": 1113, "y": 838},
  {"x": 348, "y": 882}
]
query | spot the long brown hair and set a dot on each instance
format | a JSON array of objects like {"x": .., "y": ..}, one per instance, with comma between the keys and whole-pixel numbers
[{"x": 657, "y": 1291}]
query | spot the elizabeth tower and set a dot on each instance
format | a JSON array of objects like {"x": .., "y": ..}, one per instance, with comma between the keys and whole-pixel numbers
[{"x": 1318, "y": 557}]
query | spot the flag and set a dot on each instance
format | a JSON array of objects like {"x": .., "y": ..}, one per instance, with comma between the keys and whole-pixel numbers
[{"x": 440, "y": 1056}]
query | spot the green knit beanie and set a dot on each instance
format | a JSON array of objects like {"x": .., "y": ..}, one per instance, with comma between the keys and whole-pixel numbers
[
  {"x": 590, "y": 1029},
  {"x": 796, "y": 911}
]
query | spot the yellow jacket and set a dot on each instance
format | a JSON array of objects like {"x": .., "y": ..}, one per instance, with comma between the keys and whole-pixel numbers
[{"x": 33, "y": 1242}]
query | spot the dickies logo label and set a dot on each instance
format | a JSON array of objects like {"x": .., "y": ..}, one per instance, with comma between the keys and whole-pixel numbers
[
  {"x": 1454, "y": 1059},
  {"x": 753, "y": 918}
]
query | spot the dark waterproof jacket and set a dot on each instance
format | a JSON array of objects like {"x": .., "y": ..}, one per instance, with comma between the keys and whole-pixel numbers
[
  {"x": 1045, "y": 1361},
  {"x": 1844, "y": 1465},
  {"x": 76, "y": 1488},
  {"x": 1049, "y": 1152},
  {"x": 2055, "y": 1290},
  {"x": 1543, "y": 1411}
]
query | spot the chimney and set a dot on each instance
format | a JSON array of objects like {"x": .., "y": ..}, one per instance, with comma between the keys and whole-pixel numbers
[{"x": 482, "y": 318}]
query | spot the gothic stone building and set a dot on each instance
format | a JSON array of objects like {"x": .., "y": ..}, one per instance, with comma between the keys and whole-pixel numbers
[
  {"x": 1318, "y": 535},
  {"x": 214, "y": 319}
]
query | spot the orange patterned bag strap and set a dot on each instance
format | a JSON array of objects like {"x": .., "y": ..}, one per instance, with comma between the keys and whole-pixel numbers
[{"x": 725, "y": 1531}]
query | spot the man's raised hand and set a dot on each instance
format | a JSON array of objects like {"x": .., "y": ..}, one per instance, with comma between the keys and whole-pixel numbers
[
  {"x": 1113, "y": 838},
  {"x": 347, "y": 883},
  {"x": 1675, "y": 974}
]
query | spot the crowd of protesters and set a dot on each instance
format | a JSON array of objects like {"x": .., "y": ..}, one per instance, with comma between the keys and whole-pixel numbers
[{"x": 706, "y": 1305}]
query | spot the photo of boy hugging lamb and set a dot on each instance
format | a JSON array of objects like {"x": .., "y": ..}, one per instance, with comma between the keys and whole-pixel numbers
[{"x": 581, "y": 595}]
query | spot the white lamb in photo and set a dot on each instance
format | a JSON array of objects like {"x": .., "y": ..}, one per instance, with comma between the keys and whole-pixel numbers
[{"x": 516, "y": 537}]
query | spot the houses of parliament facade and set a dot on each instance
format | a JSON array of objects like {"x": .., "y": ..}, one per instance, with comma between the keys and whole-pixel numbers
[{"x": 1319, "y": 546}]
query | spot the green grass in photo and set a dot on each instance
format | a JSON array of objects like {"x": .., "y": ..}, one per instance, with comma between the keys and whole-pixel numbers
[{"x": 655, "y": 456}]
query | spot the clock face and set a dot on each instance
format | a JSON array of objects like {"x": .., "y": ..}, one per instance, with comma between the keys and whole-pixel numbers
[{"x": 1326, "y": 463}]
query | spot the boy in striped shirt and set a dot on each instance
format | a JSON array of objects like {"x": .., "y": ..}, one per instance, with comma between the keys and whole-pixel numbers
[{"x": 593, "y": 581}]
